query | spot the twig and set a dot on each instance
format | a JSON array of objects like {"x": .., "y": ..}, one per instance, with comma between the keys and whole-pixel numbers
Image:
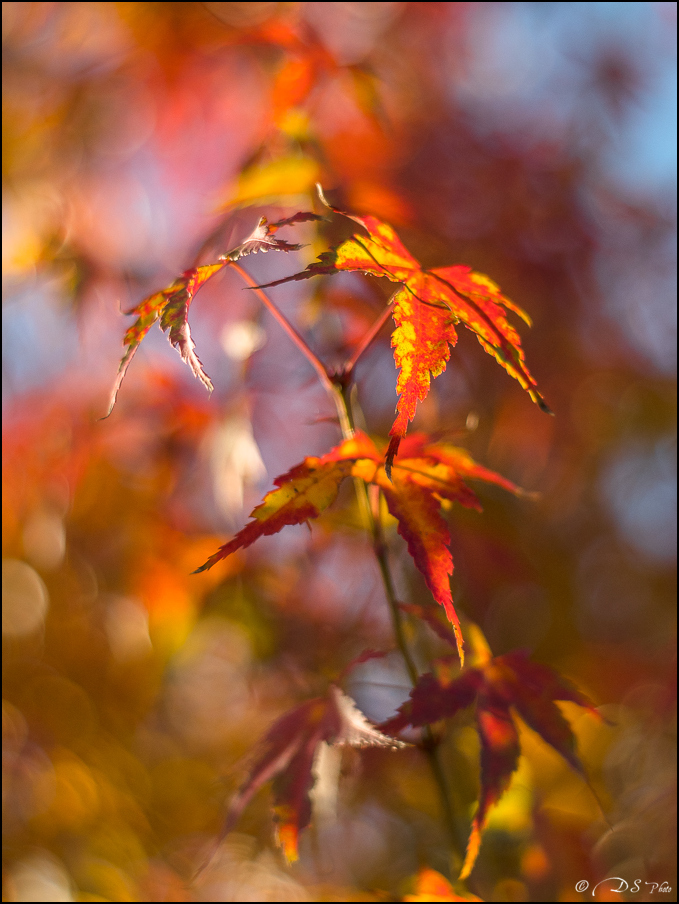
[
  {"x": 299, "y": 341},
  {"x": 374, "y": 524},
  {"x": 369, "y": 336}
]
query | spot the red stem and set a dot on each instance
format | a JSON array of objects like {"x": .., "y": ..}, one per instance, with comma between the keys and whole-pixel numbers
[
  {"x": 368, "y": 338},
  {"x": 289, "y": 328}
]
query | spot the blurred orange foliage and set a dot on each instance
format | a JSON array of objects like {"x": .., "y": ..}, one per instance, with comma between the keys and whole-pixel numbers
[{"x": 141, "y": 139}]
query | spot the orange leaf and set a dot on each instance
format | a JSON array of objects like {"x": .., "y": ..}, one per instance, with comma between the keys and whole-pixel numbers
[
  {"x": 432, "y": 886},
  {"x": 423, "y": 478},
  {"x": 426, "y": 311},
  {"x": 303, "y": 493}
]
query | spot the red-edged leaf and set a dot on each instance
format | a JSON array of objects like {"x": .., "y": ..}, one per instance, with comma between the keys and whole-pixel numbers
[
  {"x": 175, "y": 300},
  {"x": 302, "y": 494},
  {"x": 432, "y": 886},
  {"x": 503, "y": 683},
  {"x": 458, "y": 462},
  {"x": 426, "y": 311},
  {"x": 421, "y": 343},
  {"x": 288, "y": 753},
  {"x": 420, "y": 524},
  {"x": 414, "y": 497},
  {"x": 171, "y": 305}
]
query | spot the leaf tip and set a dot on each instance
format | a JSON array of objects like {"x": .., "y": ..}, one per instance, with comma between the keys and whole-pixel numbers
[
  {"x": 394, "y": 443},
  {"x": 472, "y": 851},
  {"x": 207, "y": 565},
  {"x": 324, "y": 200},
  {"x": 542, "y": 405}
]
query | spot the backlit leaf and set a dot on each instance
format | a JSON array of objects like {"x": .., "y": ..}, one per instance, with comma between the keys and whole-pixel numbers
[
  {"x": 301, "y": 494},
  {"x": 426, "y": 312},
  {"x": 423, "y": 478},
  {"x": 171, "y": 305}
]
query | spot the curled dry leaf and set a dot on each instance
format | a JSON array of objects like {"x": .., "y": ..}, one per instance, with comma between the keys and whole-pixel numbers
[{"x": 171, "y": 305}]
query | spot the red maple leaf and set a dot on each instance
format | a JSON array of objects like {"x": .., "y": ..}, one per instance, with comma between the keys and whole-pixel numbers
[
  {"x": 426, "y": 310},
  {"x": 423, "y": 478},
  {"x": 497, "y": 686},
  {"x": 288, "y": 753}
]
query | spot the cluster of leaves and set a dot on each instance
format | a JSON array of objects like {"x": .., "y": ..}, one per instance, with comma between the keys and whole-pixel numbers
[
  {"x": 426, "y": 309},
  {"x": 417, "y": 486}
]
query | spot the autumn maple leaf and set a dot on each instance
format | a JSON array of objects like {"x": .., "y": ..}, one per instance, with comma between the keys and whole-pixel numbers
[
  {"x": 502, "y": 683},
  {"x": 424, "y": 477},
  {"x": 171, "y": 305},
  {"x": 288, "y": 755},
  {"x": 432, "y": 886},
  {"x": 426, "y": 310}
]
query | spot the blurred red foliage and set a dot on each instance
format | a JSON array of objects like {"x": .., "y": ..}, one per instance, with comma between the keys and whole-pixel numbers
[{"x": 139, "y": 139}]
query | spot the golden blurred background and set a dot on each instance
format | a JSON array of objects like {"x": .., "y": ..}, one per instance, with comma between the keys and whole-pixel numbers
[{"x": 531, "y": 141}]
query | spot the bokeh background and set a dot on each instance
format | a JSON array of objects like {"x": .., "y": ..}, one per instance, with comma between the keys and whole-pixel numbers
[{"x": 532, "y": 141}]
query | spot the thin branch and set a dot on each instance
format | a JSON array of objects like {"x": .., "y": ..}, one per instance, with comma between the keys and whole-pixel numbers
[
  {"x": 374, "y": 524},
  {"x": 299, "y": 341},
  {"x": 340, "y": 389},
  {"x": 369, "y": 336}
]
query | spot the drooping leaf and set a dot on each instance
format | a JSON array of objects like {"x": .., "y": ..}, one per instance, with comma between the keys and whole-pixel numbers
[
  {"x": 503, "y": 683},
  {"x": 171, "y": 305},
  {"x": 432, "y": 886},
  {"x": 423, "y": 478},
  {"x": 426, "y": 311},
  {"x": 301, "y": 494},
  {"x": 287, "y": 756}
]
